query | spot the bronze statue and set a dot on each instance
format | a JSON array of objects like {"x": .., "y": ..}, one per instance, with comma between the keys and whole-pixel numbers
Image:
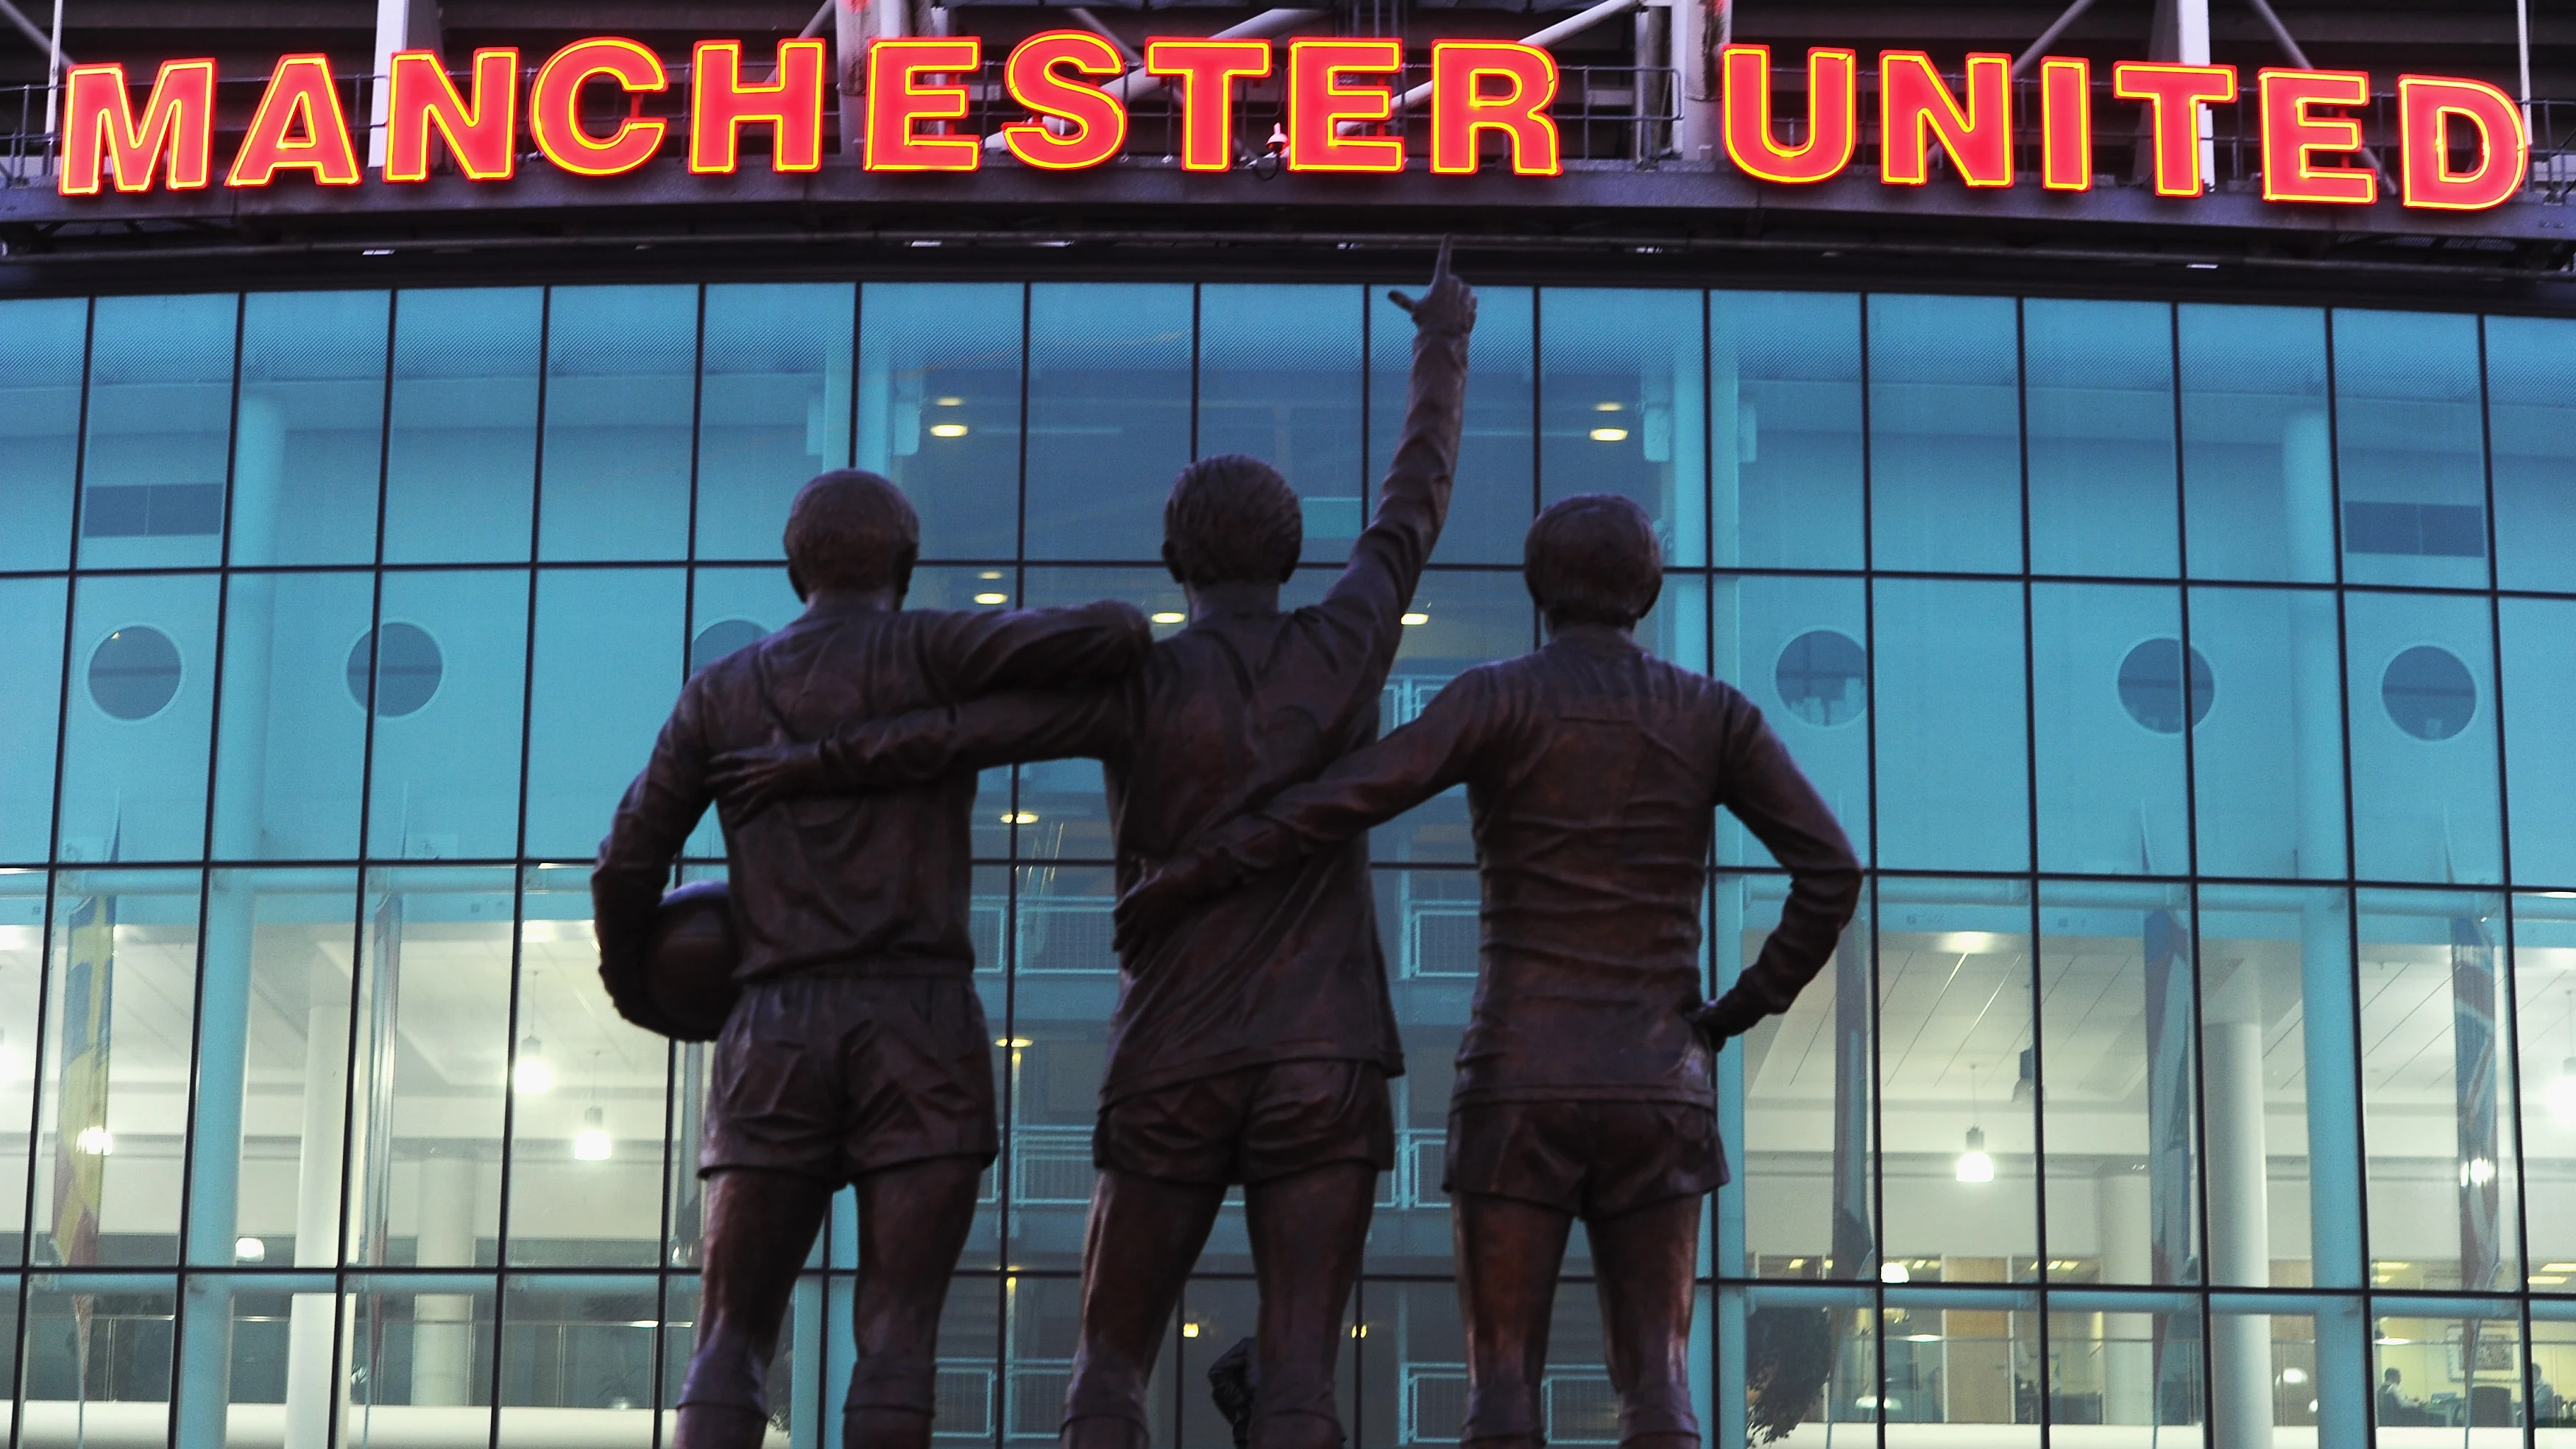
[
  {"x": 857, "y": 1050},
  {"x": 1583, "y": 1087},
  {"x": 1254, "y": 1036}
]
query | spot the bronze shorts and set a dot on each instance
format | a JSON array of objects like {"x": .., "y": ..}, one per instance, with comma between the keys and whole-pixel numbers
[
  {"x": 1251, "y": 1125},
  {"x": 1591, "y": 1159},
  {"x": 834, "y": 1077}
]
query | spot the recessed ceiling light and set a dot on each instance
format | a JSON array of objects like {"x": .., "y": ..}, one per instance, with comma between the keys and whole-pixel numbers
[
  {"x": 952, "y": 402},
  {"x": 1609, "y": 407},
  {"x": 992, "y": 598},
  {"x": 1416, "y": 619},
  {"x": 1168, "y": 617},
  {"x": 1599, "y": 435},
  {"x": 958, "y": 430}
]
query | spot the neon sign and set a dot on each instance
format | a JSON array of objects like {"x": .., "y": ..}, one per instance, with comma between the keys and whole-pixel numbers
[{"x": 2461, "y": 143}]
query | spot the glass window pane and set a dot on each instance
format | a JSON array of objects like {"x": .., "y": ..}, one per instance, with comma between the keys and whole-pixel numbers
[
  {"x": 1623, "y": 401},
  {"x": 939, "y": 408},
  {"x": 112, "y": 1117},
  {"x": 1066, "y": 983},
  {"x": 1793, "y": 646},
  {"x": 1784, "y": 380},
  {"x": 134, "y": 756},
  {"x": 2258, "y": 471},
  {"x": 1945, "y": 433},
  {"x": 620, "y": 391},
  {"x": 461, "y": 459},
  {"x": 2112, "y": 697},
  {"x": 31, "y": 655},
  {"x": 1280, "y": 378},
  {"x": 2539, "y": 639},
  {"x": 774, "y": 410},
  {"x": 1947, "y": 671},
  {"x": 2462, "y": 1376},
  {"x": 2267, "y": 762},
  {"x": 1427, "y": 920},
  {"x": 22, "y": 972},
  {"x": 293, "y": 732},
  {"x": 1464, "y": 619},
  {"x": 2410, "y": 448},
  {"x": 1109, "y": 416},
  {"x": 2139, "y": 1367},
  {"x": 579, "y": 1343},
  {"x": 2531, "y": 422},
  {"x": 733, "y": 608},
  {"x": 1492, "y": 504},
  {"x": 2101, "y": 401},
  {"x": 445, "y": 775},
  {"x": 418, "y": 1340},
  {"x": 311, "y": 426},
  {"x": 609, "y": 650},
  {"x": 41, "y": 350},
  {"x": 160, "y": 425},
  {"x": 587, "y": 1153},
  {"x": 2423, "y": 738},
  {"x": 1797, "y": 1104},
  {"x": 129, "y": 1385},
  {"x": 2544, "y": 1018}
]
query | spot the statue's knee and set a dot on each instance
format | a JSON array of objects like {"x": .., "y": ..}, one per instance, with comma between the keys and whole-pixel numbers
[{"x": 719, "y": 1426}]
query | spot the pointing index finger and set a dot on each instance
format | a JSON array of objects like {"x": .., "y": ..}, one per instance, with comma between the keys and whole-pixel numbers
[{"x": 1440, "y": 268}]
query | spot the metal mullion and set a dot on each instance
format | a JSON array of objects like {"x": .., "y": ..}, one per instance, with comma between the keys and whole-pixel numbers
[
  {"x": 2030, "y": 787},
  {"x": 1877, "y": 1066},
  {"x": 1005, "y": 1295},
  {"x": 37, "y": 1099},
  {"x": 1537, "y": 438},
  {"x": 519, "y": 869}
]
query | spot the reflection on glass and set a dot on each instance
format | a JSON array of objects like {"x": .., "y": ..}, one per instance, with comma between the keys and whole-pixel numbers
[
  {"x": 309, "y": 427},
  {"x": 1109, "y": 416},
  {"x": 1491, "y": 508},
  {"x": 1945, "y": 425},
  {"x": 2410, "y": 452},
  {"x": 773, "y": 409},
  {"x": 2268, "y": 762},
  {"x": 42, "y": 345},
  {"x": 2108, "y": 748},
  {"x": 1946, "y": 669},
  {"x": 1280, "y": 379},
  {"x": 137, "y": 725},
  {"x": 293, "y": 738},
  {"x": 2258, "y": 467},
  {"x": 939, "y": 408},
  {"x": 445, "y": 777},
  {"x": 619, "y": 394},
  {"x": 160, "y": 425},
  {"x": 1785, "y": 409},
  {"x": 2420, "y": 668},
  {"x": 30, "y": 718},
  {"x": 2532, "y": 444},
  {"x": 1459, "y": 620},
  {"x": 609, "y": 649},
  {"x": 1623, "y": 408},
  {"x": 2101, "y": 422},
  {"x": 461, "y": 452}
]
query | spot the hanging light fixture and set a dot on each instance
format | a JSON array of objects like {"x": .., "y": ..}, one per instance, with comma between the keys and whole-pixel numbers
[
  {"x": 1974, "y": 1164},
  {"x": 533, "y": 1076},
  {"x": 590, "y": 1144}
]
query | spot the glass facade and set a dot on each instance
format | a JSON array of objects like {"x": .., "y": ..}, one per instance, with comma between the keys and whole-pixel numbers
[{"x": 2194, "y": 678}]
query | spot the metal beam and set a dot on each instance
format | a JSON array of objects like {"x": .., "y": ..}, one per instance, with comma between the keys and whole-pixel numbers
[
  {"x": 2049, "y": 36},
  {"x": 28, "y": 28}
]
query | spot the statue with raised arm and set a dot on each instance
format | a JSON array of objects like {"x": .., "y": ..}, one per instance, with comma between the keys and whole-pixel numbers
[
  {"x": 1253, "y": 1035},
  {"x": 1584, "y": 1079},
  {"x": 856, "y": 1050}
]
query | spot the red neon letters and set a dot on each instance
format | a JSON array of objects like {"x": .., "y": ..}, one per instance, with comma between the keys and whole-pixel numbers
[
  {"x": 100, "y": 132},
  {"x": 2462, "y": 145},
  {"x": 1078, "y": 125},
  {"x": 1833, "y": 116},
  {"x": 721, "y": 104}
]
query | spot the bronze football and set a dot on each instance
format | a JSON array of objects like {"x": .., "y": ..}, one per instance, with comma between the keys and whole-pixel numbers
[{"x": 693, "y": 960}]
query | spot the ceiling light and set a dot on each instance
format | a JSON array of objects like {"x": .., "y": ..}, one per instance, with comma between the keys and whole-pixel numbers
[
  {"x": 950, "y": 402},
  {"x": 95, "y": 1141},
  {"x": 1609, "y": 435},
  {"x": 1410, "y": 619},
  {"x": 1013, "y": 1042},
  {"x": 249, "y": 1250},
  {"x": 948, "y": 430},
  {"x": 1894, "y": 1273},
  {"x": 1974, "y": 1164},
  {"x": 1169, "y": 617},
  {"x": 990, "y": 574},
  {"x": 992, "y": 598},
  {"x": 1020, "y": 817},
  {"x": 1189, "y": 1330},
  {"x": 1609, "y": 407},
  {"x": 590, "y": 1144},
  {"x": 534, "y": 1076}
]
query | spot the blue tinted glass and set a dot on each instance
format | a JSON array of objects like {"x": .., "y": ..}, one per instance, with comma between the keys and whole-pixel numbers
[
  {"x": 774, "y": 409},
  {"x": 2423, "y": 738},
  {"x": 1492, "y": 504},
  {"x": 1280, "y": 379},
  {"x": 445, "y": 777},
  {"x": 2111, "y": 789},
  {"x": 2540, "y": 770},
  {"x": 1953, "y": 787},
  {"x": 135, "y": 788},
  {"x": 41, "y": 345},
  {"x": 609, "y": 648},
  {"x": 31, "y": 659},
  {"x": 462, "y": 456},
  {"x": 939, "y": 409},
  {"x": 160, "y": 420},
  {"x": 1622, "y": 407},
  {"x": 2531, "y": 421},
  {"x": 1109, "y": 416},
  {"x": 620, "y": 364},
  {"x": 730, "y": 609},
  {"x": 292, "y": 740},
  {"x": 2102, "y": 484},
  {"x": 1784, "y": 379},
  {"x": 2268, "y": 762},
  {"x": 1945, "y": 433},
  {"x": 1460, "y": 619},
  {"x": 1794, "y": 647},
  {"x": 2410, "y": 456},
  {"x": 311, "y": 427},
  {"x": 2258, "y": 468}
]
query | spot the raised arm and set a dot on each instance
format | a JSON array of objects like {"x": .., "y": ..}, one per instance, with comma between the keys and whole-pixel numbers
[
  {"x": 972, "y": 654},
  {"x": 1766, "y": 790},
  {"x": 925, "y": 745},
  {"x": 1365, "y": 788},
  {"x": 1413, "y": 500},
  {"x": 645, "y": 836}
]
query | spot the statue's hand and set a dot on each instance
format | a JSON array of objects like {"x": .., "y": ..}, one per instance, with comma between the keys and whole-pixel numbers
[
  {"x": 1447, "y": 305},
  {"x": 750, "y": 781},
  {"x": 1152, "y": 904},
  {"x": 1716, "y": 1021}
]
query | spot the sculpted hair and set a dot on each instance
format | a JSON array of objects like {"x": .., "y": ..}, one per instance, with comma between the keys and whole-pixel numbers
[
  {"x": 1593, "y": 559},
  {"x": 1232, "y": 519},
  {"x": 850, "y": 529}
]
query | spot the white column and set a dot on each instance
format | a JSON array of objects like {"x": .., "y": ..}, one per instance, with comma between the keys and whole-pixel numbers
[
  {"x": 442, "y": 1335},
  {"x": 311, "y": 1378},
  {"x": 2121, "y": 1200},
  {"x": 2240, "y": 1345}
]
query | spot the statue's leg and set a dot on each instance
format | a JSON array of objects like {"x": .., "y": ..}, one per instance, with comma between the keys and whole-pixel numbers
[
  {"x": 1309, "y": 1232},
  {"x": 1642, "y": 1260},
  {"x": 913, "y": 1221},
  {"x": 1508, "y": 1254},
  {"x": 759, "y": 1227},
  {"x": 1142, "y": 1240}
]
